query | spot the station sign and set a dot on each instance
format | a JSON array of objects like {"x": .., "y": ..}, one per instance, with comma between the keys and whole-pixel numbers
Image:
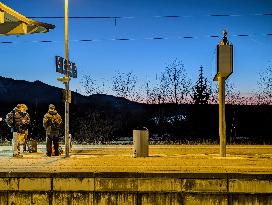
[{"x": 62, "y": 65}]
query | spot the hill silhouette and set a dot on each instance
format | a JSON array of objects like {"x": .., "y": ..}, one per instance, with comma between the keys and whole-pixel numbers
[
  {"x": 101, "y": 109},
  {"x": 37, "y": 92}
]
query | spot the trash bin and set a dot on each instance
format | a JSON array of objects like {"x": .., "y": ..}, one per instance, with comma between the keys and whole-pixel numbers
[{"x": 140, "y": 143}]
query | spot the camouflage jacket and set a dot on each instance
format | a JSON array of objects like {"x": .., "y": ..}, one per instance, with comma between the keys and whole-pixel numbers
[
  {"x": 18, "y": 121},
  {"x": 52, "y": 122}
]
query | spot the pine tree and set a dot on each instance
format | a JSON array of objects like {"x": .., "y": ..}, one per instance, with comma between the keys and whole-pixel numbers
[{"x": 201, "y": 91}]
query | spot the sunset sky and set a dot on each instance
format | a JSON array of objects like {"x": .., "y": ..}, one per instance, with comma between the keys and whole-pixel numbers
[{"x": 140, "y": 21}]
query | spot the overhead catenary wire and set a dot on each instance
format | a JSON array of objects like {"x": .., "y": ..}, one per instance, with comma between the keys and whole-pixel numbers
[
  {"x": 82, "y": 17},
  {"x": 158, "y": 16},
  {"x": 115, "y": 18},
  {"x": 145, "y": 38}
]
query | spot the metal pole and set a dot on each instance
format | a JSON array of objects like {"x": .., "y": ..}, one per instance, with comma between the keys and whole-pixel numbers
[
  {"x": 222, "y": 120},
  {"x": 67, "y": 83}
]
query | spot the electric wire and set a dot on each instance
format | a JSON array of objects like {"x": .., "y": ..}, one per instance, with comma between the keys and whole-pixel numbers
[
  {"x": 146, "y": 38},
  {"x": 158, "y": 16}
]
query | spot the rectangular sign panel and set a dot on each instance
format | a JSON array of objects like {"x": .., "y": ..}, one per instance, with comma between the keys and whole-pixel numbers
[
  {"x": 224, "y": 60},
  {"x": 59, "y": 65},
  {"x": 62, "y": 65}
]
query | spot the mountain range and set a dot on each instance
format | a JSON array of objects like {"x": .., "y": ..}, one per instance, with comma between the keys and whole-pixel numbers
[{"x": 37, "y": 92}]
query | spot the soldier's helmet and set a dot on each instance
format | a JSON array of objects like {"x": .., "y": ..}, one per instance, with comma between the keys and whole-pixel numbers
[
  {"x": 22, "y": 107},
  {"x": 51, "y": 107}
]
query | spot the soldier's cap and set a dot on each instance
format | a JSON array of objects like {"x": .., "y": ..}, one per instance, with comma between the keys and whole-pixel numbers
[{"x": 51, "y": 107}]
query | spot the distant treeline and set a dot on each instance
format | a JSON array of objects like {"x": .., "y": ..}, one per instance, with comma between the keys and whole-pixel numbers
[
  {"x": 173, "y": 108},
  {"x": 102, "y": 121}
]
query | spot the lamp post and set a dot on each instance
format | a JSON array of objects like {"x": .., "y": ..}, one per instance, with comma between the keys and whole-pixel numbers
[
  {"x": 66, "y": 83},
  {"x": 69, "y": 69}
]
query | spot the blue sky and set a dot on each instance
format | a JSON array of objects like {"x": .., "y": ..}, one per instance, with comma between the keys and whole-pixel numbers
[{"x": 29, "y": 60}]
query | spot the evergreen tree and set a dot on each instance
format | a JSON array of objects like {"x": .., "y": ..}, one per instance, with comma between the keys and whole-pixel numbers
[{"x": 201, "y": 91}]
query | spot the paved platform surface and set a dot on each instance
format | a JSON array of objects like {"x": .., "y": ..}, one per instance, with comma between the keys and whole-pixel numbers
[{"x": 247, "y": 159}]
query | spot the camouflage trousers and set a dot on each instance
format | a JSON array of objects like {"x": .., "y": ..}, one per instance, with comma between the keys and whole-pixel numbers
[{"x": 18, "y": 140}]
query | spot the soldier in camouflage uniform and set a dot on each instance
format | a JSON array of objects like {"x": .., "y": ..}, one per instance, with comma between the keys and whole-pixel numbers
[
  {"x": 18, "y": 119},
  {"x": 52, "y": 122}
]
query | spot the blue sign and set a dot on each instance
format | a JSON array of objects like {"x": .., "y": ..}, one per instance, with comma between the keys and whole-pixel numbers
[{"x": 62, "y": 65}]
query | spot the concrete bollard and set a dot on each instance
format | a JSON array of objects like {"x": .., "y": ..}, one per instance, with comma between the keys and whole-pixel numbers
[
  {"x": 14, "y": 143},
  {"x": 140, "y": 143}
]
